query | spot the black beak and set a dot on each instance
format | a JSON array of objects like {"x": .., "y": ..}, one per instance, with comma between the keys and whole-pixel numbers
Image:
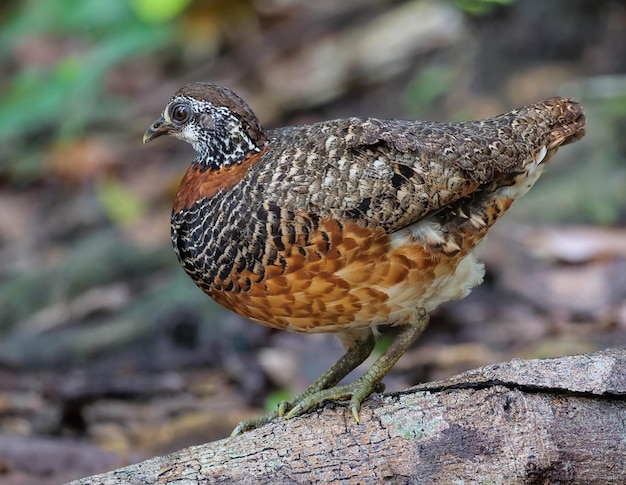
[{"x": 158, "y": 128}]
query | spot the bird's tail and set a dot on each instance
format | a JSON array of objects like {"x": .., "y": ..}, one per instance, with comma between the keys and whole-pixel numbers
[{"x": 567, "y": 121}]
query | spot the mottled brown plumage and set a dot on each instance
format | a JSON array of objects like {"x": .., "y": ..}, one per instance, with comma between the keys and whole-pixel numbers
[{"x": 345, "y": 225}]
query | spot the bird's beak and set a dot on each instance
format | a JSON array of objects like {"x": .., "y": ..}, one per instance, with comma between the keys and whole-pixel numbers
[{"x": 158, "y": 128}]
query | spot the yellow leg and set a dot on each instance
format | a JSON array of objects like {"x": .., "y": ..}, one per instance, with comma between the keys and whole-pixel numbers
[
  {"x": 325, "y": 388},
  {"x": 369, "y": 382},
  {"x": 353, "y": 357}
]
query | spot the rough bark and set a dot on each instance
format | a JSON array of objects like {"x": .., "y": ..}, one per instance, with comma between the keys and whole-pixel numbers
[{"x": 529, "y": 422}]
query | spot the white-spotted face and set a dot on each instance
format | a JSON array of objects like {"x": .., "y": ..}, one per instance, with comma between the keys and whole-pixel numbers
[{"x": 217, "y": 134}]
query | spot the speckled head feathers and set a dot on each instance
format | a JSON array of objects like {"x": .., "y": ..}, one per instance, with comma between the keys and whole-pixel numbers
[
  {"x": 221, "y": 96},
  {"x": 219, "y": 125}
]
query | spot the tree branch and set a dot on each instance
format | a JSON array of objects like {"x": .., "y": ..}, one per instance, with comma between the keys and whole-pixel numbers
[{"x": 541, "y": 421}]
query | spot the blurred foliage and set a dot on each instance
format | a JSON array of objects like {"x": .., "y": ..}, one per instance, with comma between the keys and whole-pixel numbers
[
  {"x": 62, "y": 51},
  {"x": 428, "y": 86},
  {"x": 158, "y": 11},
  {"x": 119, "y": 203},
  {"x": 273, "y": 399},
  {"x": 98, "y": 259},
  {"x": 480, "y": 6}
]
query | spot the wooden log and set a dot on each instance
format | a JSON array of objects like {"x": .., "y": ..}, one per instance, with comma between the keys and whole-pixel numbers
[{"x": 528, "y": 422}]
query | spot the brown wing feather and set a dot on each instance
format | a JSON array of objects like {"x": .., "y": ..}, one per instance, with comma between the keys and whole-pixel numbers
[{"x": 390, "y": 174}]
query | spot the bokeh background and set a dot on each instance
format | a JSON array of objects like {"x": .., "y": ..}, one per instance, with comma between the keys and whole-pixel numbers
[{"x": 109, "y": 354}]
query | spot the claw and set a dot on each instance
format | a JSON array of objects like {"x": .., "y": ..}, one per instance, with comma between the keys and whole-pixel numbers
[
  {"x": 355, "y": 413},
  {"x": 294, "y": 411},
  {"x": 239, "y": 429},
  {"x": 283, "y": 407}
]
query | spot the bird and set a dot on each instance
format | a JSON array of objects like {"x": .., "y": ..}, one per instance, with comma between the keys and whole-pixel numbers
[{"x": 348, "y": 225}]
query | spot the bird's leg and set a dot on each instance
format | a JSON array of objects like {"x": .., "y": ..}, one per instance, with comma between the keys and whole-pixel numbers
[
  {"x": 325, "y": 388},
  {"x": 354, "y": 356},
  {"x": 357, "y": 350},
  {"x": 369, "y": 382}
]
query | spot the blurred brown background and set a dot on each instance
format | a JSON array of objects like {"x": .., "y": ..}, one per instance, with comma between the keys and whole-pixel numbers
[{"x": 108, "y": 352}]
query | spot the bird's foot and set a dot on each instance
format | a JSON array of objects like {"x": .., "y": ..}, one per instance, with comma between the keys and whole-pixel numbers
[
  {"x": 369, "y": 382},
  {"x": 355, "y": 355},
  {"x": 356, "y": 391},
  {"x": 325, "y": 389}
]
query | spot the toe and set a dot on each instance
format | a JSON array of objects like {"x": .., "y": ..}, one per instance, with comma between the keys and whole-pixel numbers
[
  {"x": 253, "y": 423},
  {"x": 284, "y": 407}
]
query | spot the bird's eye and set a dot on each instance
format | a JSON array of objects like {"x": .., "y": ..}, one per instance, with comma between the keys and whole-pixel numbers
[{"x": 180, "y": 113}]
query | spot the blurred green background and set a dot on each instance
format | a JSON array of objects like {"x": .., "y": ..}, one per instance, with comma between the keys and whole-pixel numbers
[{"x": 107, "y": 348}]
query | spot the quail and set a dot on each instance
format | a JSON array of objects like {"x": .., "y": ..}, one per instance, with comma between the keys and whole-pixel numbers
[{"x": 343, "y": 226}]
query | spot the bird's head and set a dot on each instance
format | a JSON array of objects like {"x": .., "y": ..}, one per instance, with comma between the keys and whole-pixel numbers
[{"x": 219, "y": 125}]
